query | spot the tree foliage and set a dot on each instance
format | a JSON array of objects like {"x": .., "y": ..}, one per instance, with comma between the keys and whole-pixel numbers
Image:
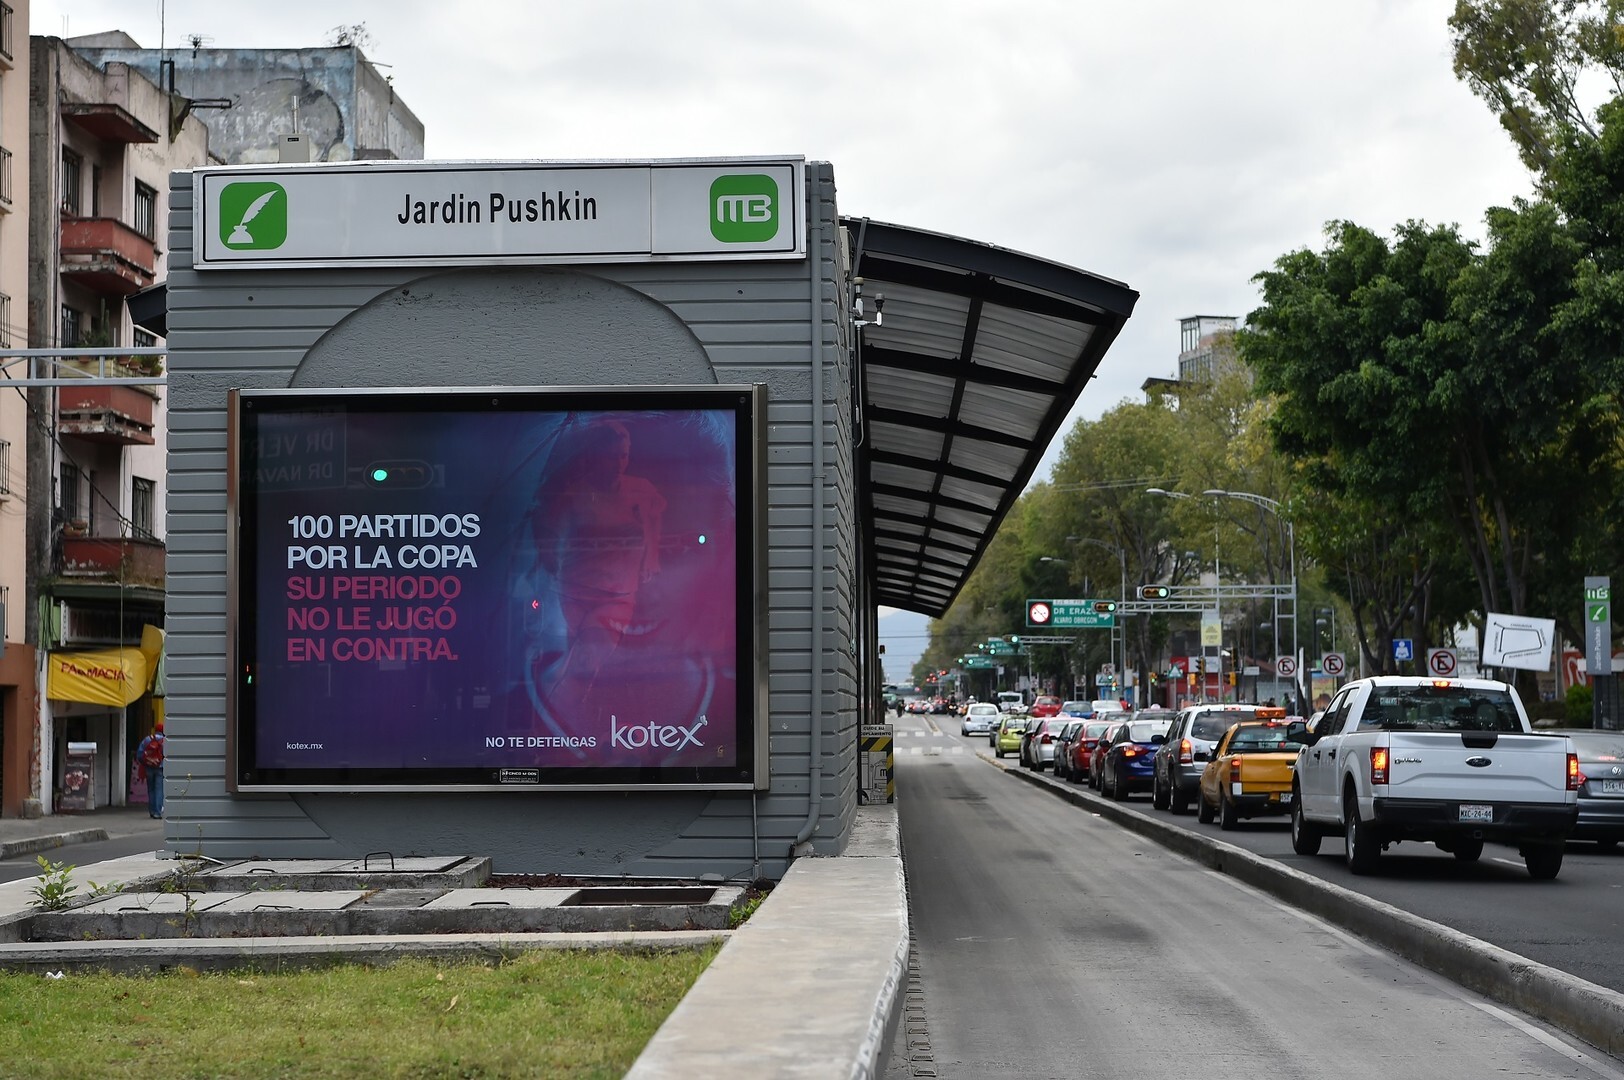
[{"x": 1535, "y": 61}]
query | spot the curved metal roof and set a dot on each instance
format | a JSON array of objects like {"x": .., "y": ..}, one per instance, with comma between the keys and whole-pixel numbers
[{"x": 979, "y": 354}]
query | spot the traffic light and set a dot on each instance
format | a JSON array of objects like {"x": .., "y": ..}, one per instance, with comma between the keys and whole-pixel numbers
[
  {"x": 1104, "y": 607},
  {"x": 1231, "y": 678},
  {"x": 1154, "y": 592},
  {"x": 1015, "y": 640}
]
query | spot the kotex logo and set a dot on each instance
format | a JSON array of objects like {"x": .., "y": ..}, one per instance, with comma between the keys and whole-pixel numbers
[
  {"x": 253, "y": 216},
  {"x": 643, "y": 736}
]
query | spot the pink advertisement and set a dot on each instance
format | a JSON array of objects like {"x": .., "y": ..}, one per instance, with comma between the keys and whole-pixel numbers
[{"x": 496, "y": 589}]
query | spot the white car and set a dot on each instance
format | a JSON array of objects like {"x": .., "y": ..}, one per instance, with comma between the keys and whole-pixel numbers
[{"x": 980, "y": 718}]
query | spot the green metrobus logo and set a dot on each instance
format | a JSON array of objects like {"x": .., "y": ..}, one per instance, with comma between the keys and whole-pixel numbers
[
  {"x": 253, "y": 216},
  {"x": 744, "y": 208}
]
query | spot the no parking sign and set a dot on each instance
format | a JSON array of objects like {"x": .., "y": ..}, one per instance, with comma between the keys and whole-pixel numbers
[
  {"x": 1333, "y": 663},
  {"x": 1441, "y": 662}
]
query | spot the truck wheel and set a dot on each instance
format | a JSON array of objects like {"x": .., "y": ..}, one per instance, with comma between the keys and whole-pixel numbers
[
  {"x": 1544, "y": 862},
  {"x": 1203, "y": 812},
  {"x": 1228, "y": 815},
  {"x": 1363, "y": 846},
  {"x": 1305, "y": 836},
  {"x": 1468, "y": 850}
]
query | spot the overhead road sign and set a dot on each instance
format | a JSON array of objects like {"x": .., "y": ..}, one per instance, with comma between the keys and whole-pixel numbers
[
  {"x": 1073, "y": 614},
  {"x": 470, "y": 213}
]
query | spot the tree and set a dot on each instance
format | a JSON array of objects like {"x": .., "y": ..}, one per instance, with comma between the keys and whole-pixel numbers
[{"x": 1531, "y": 59}]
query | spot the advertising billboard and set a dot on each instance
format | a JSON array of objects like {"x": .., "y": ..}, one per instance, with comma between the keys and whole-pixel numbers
[{"x": 496, "y": 589}]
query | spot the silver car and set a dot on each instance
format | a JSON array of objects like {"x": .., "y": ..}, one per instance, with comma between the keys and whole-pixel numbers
[{"x": 980, "y": 718}]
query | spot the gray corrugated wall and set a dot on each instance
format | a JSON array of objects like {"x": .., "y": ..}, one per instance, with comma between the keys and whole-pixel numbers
[{"x": 694, "y": 322}]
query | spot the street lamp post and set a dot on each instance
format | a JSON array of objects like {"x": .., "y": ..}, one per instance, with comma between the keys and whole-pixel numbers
[{"x": 1273, "y": 506}]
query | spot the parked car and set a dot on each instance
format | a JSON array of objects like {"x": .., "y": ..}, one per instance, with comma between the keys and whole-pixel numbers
[
  {"x": 1065, "y": 744},
  {"x": 1007, "y": 739},
  {"x": 1453, "y": 762},
  {"x": 1037, "y": 741},
  {"x": 1180, "y": 760},
  {"x": 980, "y": 718},
  {"x": 1077, "y": 710},
  {"x": 1080, "y": 751},
  {"x": 1046, "y": 706},
  {"x": 1601, "y": 792},
  {"x": 1096, "y": 757},
  {"x": 1127, "y": 766},
  {"x": 1249, "y": 774}
]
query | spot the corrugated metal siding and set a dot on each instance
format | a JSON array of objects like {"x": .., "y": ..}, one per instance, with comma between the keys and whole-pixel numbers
[{"x": 750, "y": 321}]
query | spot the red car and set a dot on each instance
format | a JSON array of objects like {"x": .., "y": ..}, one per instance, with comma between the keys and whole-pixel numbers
[
  {"x": 1096, "y": 756},
  {"x": 1073, "y": 756},
  {"x": 1046, "y": 706}
]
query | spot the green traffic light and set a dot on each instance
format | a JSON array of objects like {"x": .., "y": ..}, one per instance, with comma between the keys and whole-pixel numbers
[{"x": 379, "y": 475}]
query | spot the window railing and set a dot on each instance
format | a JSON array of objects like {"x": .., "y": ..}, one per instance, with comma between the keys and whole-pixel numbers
[
  {"x": 5, "y": 30},
  {"x": 5, "y": 467},
  {"x": 5, "y": 176}
]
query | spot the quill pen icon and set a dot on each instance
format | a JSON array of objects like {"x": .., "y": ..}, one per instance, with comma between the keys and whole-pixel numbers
[{"x": 240, "y": 233}]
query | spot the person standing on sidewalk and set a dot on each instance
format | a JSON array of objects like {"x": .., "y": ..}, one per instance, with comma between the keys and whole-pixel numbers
[{"x": 149, "y": 756}]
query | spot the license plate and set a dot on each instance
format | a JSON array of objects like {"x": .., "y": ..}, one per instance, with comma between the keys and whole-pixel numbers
[
  {"x": 1470, "y": 812},
  {"x": 1612, "y": 787}
]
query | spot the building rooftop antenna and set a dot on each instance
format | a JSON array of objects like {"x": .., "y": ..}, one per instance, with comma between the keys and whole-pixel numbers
[{"x": 198, "y": 41}]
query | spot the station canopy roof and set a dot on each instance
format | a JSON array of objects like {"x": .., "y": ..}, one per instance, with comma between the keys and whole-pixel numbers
[{"x": 979, "y": 355}]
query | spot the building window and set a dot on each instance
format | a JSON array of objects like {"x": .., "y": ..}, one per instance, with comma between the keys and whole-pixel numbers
[
  {"x": 95, "y": 190},
  {"x": 5, "y": 467},
  {"x": 5, "y": 321},
  {"x": 72, "y": 485},
  {"x": 146, "y": 211},
  {"x": 73, "y": 326},
  {"x": 142, "y": 497},
  {"x": 5, "y": 176},
  {"x": 73, "y": 182},
  {"x": 5, "y": 30},
  {"x": 145, "y": 339}
]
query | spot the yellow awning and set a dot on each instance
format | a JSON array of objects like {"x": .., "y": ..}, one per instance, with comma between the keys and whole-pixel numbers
[{"x": 116, "y": 677}]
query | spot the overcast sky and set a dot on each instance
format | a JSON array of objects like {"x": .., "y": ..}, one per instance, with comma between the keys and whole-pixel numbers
[{"x": 1178, "y": 146}]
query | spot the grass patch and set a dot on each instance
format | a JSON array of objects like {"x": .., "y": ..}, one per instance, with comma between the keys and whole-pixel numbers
[{"x": 537, "y": 1014}]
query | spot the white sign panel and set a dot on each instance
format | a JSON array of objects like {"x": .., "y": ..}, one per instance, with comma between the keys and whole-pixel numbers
[
  {"x": 483, "y": 213},
  {"x": 1441, "y": 662},
  {"x": 1517, "y": 641}
]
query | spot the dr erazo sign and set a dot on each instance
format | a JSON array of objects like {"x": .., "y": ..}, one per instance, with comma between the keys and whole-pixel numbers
[{"x": 474, "y": 213}]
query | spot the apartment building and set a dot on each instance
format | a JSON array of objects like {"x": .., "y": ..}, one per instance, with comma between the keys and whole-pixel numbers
[{"x": 17, "y": 658}]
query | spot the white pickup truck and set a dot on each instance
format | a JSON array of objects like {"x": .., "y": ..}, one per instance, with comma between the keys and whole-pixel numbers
[{"x": 1447, "y": 761}]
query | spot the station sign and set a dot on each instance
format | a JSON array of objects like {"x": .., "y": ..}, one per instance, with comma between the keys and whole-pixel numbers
[
  {"x": 446, "y": 213},
  {"x": 1598, "y": 626}
]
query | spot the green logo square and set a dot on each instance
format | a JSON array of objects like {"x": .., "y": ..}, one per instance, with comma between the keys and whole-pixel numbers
[
  {"x": 744, "y": 208},
  {"x": 253, "y": 216}
]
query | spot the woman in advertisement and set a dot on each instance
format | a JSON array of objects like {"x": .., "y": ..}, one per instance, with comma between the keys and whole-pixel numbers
[{"x": 631, "y": 651}]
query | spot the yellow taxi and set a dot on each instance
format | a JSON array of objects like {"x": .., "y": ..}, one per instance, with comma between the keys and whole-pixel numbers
[{"x": 1249, "y": 774}]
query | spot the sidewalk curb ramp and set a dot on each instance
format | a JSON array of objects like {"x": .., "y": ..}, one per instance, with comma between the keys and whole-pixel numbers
[{"x": 1571, "y": 1004}]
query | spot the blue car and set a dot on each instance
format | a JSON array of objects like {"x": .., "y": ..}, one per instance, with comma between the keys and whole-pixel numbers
[{"x": 1129, "y": 764}]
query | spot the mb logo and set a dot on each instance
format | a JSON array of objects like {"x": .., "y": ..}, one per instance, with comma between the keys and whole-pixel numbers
[{"x": 744, "y": 209}]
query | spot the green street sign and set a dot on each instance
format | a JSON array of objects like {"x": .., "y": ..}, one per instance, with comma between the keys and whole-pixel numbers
[{"x": 1068, "y": 614}]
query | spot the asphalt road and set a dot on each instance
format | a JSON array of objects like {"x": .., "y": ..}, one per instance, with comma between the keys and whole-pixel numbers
[
  {"x": 24, "y": 866},
  {"x": 1573, "y": 923},
  {"x": 1053, "y": 943}
]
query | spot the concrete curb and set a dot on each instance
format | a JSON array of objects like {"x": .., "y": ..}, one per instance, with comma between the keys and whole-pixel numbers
[
  {"x": 272, "y": 954},
  {"x": 812, "y": 984},
  {"x": 10, "y": 849},
  {"x": 1571, "y": 1004}
]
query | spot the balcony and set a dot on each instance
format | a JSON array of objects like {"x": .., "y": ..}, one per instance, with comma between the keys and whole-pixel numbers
[
  {"x": 119, "y": 560},
  {"x": 107, "y": 256},
  {"x": 113, "y": 415}
]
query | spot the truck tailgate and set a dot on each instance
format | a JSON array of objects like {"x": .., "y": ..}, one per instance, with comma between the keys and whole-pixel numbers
[
  {"x": 1441, "y": 765},
  {"x": 1266, "y": 772}
]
